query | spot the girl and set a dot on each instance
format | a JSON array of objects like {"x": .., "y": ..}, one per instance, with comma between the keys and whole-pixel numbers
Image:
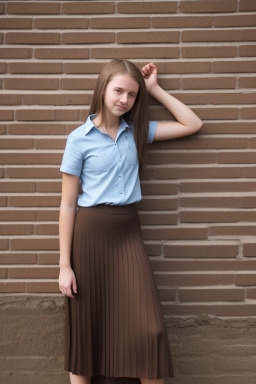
[{"x": 114, "y": 325}]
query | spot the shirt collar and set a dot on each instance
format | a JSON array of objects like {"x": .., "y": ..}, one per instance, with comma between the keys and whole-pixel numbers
[{"x": 88, "y": 125}]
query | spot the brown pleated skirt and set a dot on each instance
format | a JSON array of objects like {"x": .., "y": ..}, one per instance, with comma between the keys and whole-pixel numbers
[{"x": 114, "y": 329}]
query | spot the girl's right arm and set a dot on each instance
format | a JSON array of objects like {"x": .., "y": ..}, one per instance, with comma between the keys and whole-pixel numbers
[{"x": 67, "y": 280}]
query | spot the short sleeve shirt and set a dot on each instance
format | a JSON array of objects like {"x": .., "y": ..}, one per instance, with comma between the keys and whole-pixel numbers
[{"x": 108, "y": 169}]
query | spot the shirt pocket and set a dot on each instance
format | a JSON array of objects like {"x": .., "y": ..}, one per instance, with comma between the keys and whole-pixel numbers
[
  {"x": 98, "y": 163},
  {"x": 131, "y": 154}
]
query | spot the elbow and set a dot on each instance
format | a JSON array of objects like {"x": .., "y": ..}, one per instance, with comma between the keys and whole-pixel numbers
[{"x": 197, "y": 126}]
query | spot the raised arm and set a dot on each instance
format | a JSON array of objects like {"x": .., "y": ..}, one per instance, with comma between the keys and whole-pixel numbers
[
  {"x": 67, "y": 280},
  {"x": 187, "y": 122}
]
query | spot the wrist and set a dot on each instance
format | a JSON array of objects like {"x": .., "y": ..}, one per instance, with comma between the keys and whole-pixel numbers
[{"x": 154, "y": 89}]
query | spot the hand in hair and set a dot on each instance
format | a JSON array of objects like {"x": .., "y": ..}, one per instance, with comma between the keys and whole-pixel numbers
[{"x": 149, "y": 73}]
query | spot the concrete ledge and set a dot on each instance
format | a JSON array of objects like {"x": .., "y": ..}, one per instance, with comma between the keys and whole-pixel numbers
[{"x": 205, "y": 350}]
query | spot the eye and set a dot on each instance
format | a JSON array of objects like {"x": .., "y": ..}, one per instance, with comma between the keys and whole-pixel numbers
[
  {"x": 117, "y": 90},
  {"x": 132, "y": 95}
]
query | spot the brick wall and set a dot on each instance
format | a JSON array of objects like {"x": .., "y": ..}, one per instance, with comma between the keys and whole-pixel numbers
[{"x": 198, "y": 212}]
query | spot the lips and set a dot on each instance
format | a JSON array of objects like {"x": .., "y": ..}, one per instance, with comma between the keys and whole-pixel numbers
[{"x": 121, "y": 107}]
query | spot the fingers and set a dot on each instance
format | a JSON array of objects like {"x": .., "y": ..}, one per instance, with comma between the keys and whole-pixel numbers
[
  {"x": 148, "y": 69},
  {"x": 67, "y": 291}
]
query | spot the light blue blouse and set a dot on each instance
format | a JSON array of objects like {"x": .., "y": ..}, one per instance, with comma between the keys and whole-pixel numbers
[{"x": 108, "y": 169}]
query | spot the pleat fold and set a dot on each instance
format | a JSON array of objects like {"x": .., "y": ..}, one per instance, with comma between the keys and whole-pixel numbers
[{"x": 115, "y": 330}]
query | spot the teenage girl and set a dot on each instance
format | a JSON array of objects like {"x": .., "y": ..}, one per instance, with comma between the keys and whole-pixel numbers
[{"x": 114, "y": 326}]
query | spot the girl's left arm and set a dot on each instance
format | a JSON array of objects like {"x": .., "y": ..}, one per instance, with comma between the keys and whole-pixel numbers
[{"x": 187, "y": 122}]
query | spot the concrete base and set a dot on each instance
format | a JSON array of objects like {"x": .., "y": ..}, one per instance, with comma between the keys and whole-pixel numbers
[{"x": 205, "y": 350}]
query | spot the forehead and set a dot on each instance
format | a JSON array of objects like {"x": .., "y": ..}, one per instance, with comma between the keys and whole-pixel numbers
[{"x": 125, "y": 82}]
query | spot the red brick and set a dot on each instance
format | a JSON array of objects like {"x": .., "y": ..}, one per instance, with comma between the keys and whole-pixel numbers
[
  {"x": 234, "y": 127},
  {"x": 167, "y": 294},
  {"x": 48, "y": 215},
  {"x": 233, "y": 230},
  {"x": 31, "y": 83},
  {"x": 209, "y": 83},
  {"x": 32, "y": 38},
  {"x": 158, "y": 188},
  {"x": 34, "y": 201},
  {"x": 216, "y": 216},
  {"x": 147, "y": 37},
  {"x": 48, "y": 187},
  {"x": 151, "y": 7},
  {"x": 12, "y": 287},
  {"x": 247, "y": 5},
  {"x": 61, "y": 53},
  {"x": 153, "y": 249},
  {"x": 182, "y": 22},
  {"x": 3, "y": 67},
  {"x": 187, "y": 67},
  {"x": 33, "y": 172},
  {"x": 83, "y": 67},
  {"x": 170, "y": 203},
  {"x": 40, "y": 129},
  {"x": 217, "y": 201},
  {"x": 3, "y": 273},
  {"x": 249, "y": 249},
  {"x": 4, "y": 244},
  {"x": 119, "y": 22},
  {"x": 46, "y": 115},
  {"x": 88, "y": 37},
  {"x": 247, "y": 50},
  {"x": 2, "y": 6},
  {"x": 16, "y": 144},
  {"x": 31, "y": 68},
  {"x": 235, "y": 21},
  {"x": 80, "y": 7},
  {"x": 215, "y": 6},
  {"x": 30, "y": 158},
  {"x": 239, "y": 66},
  {"x": 174, "y": 233},
  {"x": 73, "y": 83},
  {"x": 251, "y": 293},
  {"x": 48, "y": 258},
  {"x": 10, "y": 99},
  {"x": 180, "y": 158},
  {"x": 3, "y": 201},
  {"x": 15, "y": 23},
  {"x": 159, "y": 218},
  {"x": 247, "y": 82},
  {"x": 217, "y": 186},
  {"x": 15, "y": 53},
  {"x": 245, "y": 279},
  {"x": 28, "y": 7},
  {"x": 18, "y": 258},
  {"x": 18, "y": 215},
  {"x": 58, "y": 99},
  {"x": 128, "y": 53},
  {"x": 46, "y": 229},
  {"x": 233, "y": 158},
  {"x": 193, "y": 280},
  {"x": 193, "y": 249},
  {"x": 61, "y": 23},
  {"x": 50, "y": 143},
  {"x": 219, "y": 35},
  {"x": 6, "y": 115},
  {"x": 32, "y": 273},
  {"x": 209, "y": 295},
  {"x": 236, "y": 310},
  {"x": 248, "y": 113},
  {"x": 34, "y": 244},
  {"x": 42, "y": 287},
  {"x": 208, "y": 51},
  {"x": 17, "y": 187},
  {"x": 13, "y": 229}
]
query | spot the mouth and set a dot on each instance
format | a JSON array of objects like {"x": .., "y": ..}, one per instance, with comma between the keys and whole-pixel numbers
[{"x": 121, "y": 107}]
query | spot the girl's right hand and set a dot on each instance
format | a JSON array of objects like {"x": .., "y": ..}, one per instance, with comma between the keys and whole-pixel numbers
[{"x": 67, "y": 282}]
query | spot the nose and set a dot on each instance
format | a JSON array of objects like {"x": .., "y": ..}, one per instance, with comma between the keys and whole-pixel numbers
[{"x": 123, "y": 98}]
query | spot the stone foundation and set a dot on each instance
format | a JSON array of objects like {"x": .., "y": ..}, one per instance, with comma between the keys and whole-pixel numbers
[{"x": 205, "y": 350}]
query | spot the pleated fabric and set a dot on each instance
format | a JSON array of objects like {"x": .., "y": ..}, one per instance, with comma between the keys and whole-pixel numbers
[{"x": 114, "y": 328}]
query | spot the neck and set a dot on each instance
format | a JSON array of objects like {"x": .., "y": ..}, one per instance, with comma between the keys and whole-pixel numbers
[{"x": 111, "y": 121}]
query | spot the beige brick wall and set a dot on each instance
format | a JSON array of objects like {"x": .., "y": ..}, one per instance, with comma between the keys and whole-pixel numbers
[{"x": 198, "y": 212}]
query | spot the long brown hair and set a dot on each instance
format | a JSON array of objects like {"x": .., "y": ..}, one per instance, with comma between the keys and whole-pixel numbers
[{"x": 138, "y": 115}]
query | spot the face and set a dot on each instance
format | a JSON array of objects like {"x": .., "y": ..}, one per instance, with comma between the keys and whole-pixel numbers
[{"x": 120, "y": 95}]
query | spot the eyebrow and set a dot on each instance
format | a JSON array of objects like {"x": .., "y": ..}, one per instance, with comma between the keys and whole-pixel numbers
[{"x": 116, "y": 86}]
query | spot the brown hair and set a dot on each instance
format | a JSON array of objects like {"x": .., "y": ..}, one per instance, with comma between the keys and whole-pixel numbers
[{"x": 138, "y": 115}]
